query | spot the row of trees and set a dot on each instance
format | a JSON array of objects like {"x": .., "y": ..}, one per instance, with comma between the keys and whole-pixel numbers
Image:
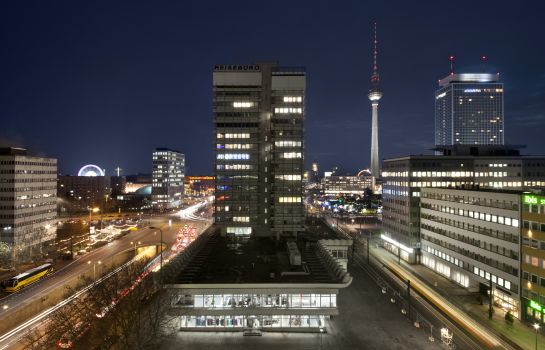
[{"x": 124, "y": 311}]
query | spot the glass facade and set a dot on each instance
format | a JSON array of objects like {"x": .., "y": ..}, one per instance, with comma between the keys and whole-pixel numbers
[
  {"x": 288, "y": 301},
  {"x": 469, "y": 112},
  {"x": 253, "y": 321}
]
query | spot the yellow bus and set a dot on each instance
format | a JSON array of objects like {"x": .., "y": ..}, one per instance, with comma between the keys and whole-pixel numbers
[{"x": 26, "y": 278}]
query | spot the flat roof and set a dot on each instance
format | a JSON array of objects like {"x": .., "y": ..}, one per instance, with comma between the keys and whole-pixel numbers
[
  {"x": 255, "y": 260},
  {"x": 469, "y": 78}
]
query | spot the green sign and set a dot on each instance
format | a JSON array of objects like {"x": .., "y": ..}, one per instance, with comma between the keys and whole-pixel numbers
[
  {"x": 535, "y": 306},
  {"x": 531, "y": 199}
]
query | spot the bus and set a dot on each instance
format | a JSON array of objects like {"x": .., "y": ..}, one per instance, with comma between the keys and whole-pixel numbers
[{"x": 26, "y": 278}]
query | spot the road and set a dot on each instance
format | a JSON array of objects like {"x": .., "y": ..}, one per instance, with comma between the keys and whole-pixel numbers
[
  {"x": 480, "y": 337},
  {"x": 38, "y": 292}
]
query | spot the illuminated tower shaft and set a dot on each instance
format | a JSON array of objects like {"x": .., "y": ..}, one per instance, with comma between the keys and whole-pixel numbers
[{"x": 375, "y": 164}]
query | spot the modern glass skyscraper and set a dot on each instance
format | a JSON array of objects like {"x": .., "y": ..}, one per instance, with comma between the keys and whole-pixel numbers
[
  {"x": 167, "y": 179},
  {"x": 469, "y": 110},
  {"x": 258, "y": 132}
]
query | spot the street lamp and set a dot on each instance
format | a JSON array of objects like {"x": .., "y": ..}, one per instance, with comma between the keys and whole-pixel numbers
[
  {"x": 94, "y": 268},
  {"x": 536, "y": 327},
  {"x": 5, "y": 306},
  {"x": 161, "y": 250},
  {"x": 136, "y": 244},
  {"x": 321, "y": 340}
]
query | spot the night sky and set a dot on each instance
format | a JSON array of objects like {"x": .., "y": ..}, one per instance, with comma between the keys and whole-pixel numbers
[{"x": 107, "y": 82}]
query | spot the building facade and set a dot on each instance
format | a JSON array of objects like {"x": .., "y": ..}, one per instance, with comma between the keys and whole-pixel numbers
[
  {"x": 259, "y": 150},
  {"x": 472, "y": 237},
  {"x": 198, "y": 186},
  {"x": 469, "y": 110},
  {"x": 81, "y": 193},
  {"x": 356, "y": 185},
  {"x": 28, "y": 199},
  {"x": 167, "y": 179},
  {"x": 533, "y": 258},
  {"x": 404, "y": 177}
]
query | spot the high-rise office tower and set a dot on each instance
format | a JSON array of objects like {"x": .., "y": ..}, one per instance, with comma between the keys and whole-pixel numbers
[
  {"x": 258, "y": 130},
  {"x": 167, "y": 179},
  {"x": 374, "y": 96},
  {"x": 469, "y": 110},
  {"x": 28, "y": 203}
]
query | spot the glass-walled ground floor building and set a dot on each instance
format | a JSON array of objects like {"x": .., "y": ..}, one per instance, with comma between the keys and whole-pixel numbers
[
  {"x": 272, "y": 307},
  {"x": 253, "y": 321}
]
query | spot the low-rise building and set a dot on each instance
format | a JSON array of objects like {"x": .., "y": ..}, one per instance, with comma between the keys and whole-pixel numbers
[
  {"x": 220, "y": 283},
  {"x": 338, "y": 185}
]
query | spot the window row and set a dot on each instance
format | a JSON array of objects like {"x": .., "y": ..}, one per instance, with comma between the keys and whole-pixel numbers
[
  {"x": 233, "y": 136},
  {"x": 293, "y": 99},
  {"x": 234, "y": 167},
  {"x": 233, "y": 156},
  {"x": 288, "y": 143},
  {"x": 495, "y": 279},
  {"x": 234, "y": 146},
  {"x": 295, "y": 177},
  {"x": 290, "y": 200},
  {"x": 260, "y": 321},
  {"x": 288, "y": 110},
  {"x": 473, "y": 214},
  {"x": 256, "y": 300},
  {"x": 291, "y": 155}
]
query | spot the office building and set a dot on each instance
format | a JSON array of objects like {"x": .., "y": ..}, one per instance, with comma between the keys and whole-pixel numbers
[
  {"x": 258, "y": 131},
  {"x": 469, "y": 110},
  {"x": 472, "y": 237},
  {"x": 79, "y": 194},
  {"x": 495, "y": 167},
  {"x": 167, "y": 179},
  {"x": 348, "y": 185},
  {"x": 533, "y": 258},
  {"x": 28, "y": 199}
]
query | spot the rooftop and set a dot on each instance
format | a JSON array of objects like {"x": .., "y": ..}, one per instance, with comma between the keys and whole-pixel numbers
[
  {"x": 470, "y": 78},
  {"x": 225, "y": 260}
]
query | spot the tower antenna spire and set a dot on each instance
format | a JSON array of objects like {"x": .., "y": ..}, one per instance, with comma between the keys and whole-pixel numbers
[
  {"x": 451, "y": 59},
  {"x": 375, "y": 52}
]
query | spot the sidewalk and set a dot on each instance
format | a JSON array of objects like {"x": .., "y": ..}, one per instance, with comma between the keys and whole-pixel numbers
[{"x": 518, "y": 332}]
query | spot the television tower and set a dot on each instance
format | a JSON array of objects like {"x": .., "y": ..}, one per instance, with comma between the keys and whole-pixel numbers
[{"x": 374, "y": 95}]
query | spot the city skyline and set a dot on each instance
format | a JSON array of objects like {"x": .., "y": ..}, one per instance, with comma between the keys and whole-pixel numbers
[{"x": 111, "y": 83}]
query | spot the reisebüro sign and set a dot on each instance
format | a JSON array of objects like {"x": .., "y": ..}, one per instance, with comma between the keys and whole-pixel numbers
[{"x": 237, "y": 67}]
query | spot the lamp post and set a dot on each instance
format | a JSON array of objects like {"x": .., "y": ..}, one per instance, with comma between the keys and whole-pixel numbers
[
  {"x": 536, "y": 327},
  {"x": 321, "y": 340},
  {"x": 136, "y": 244},
  {"x": 160, "y": 252},
  {"x": 94, "y": 268}
]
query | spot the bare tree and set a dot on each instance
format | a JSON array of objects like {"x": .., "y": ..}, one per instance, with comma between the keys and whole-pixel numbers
[
  {"x": 125, "y": 311},
  {"x": 6, "y": 255}
]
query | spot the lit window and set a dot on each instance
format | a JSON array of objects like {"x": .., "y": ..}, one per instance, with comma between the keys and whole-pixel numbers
[
  {"x": 293, "y": 99},
  {"x": 289, "y": 155},
  {"x": 290, "y": 200},
  {"x": 242, "y": 104},
  {"x": 286, "y": 110}
]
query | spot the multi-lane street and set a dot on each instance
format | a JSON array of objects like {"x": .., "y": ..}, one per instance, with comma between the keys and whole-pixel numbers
[{"x": 38, "y": 294}]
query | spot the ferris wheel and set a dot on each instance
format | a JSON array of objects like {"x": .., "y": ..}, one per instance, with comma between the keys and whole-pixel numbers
[{"x": 91, "y": 170}]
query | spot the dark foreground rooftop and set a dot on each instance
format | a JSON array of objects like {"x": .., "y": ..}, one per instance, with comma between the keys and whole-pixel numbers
[{"x": 226, "y": 260}]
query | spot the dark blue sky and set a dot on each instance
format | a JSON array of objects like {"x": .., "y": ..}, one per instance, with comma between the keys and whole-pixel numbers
[{"x": 106, "y": 82}]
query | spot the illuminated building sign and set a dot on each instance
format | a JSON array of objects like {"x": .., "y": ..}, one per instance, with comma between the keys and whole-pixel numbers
[
  {"x": 534, "y": 305},
  {"x": 472, "y": 90},
  {"x": 237, "y": 67},
  {"x": 531, "y": 199},
  {"x": 441, "y": 95}
]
